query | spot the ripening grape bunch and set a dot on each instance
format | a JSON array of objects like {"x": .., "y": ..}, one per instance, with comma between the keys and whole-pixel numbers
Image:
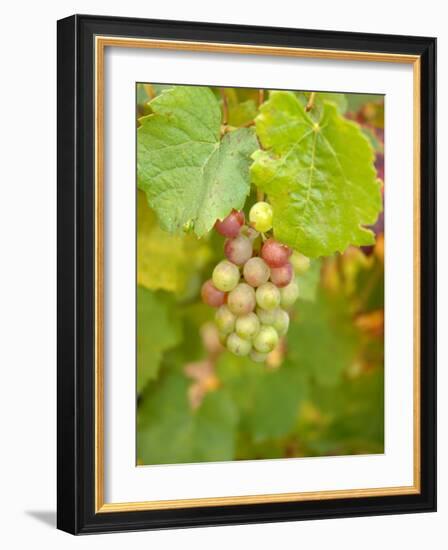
[{"x": 254, "y": 286}]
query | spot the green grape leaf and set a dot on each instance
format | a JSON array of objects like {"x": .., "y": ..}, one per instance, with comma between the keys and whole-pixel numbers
[
  {"x": 165, "y": 261},
  {"x": 170, "y": 432},
  {"x": 191, "y": 176},
  {"x": 268, "y": 400},
  {"x": 322, "y": 340},
  {"x": 319, "y": 176},
  {"x": 158, "y": 330}
]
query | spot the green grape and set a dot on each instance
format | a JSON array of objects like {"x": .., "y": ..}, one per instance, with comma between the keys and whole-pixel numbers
[
  {"x": 225, "y": 276},
  {"x": 260, "y": 216},
  {"x": 237, "y": 345},
  {"x": 289, "y": 294},
  {"x": 258, "y": 357},
  {"x": 247, "y": 326},
  {"x": 266, "y": 316},
  {"x": 268, "y": 296},
  {"x": 281, "y": 321},
  {"x": 225, "y": 320},
  {"x": 266, "y": 339},
  {"x": 256, "y": 271},
  {"x": 300, "y": 263},
  {"x": 241, "y": 300}
]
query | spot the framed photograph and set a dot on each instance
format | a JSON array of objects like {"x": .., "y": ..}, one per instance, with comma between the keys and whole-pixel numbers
[{"x": 246, "y": 274}]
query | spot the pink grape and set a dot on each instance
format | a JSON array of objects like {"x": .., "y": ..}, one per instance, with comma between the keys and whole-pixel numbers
[
  {"x": 282, "y": 276},
  {"x": 241, "y": 300},
  {"x": 211, "y": 295},
  {"x": 238, "y": 250},
  {"x": 231, "y": 225},
  {"x": 256, "y": 271},
  {"x": 274, "y": 253}
]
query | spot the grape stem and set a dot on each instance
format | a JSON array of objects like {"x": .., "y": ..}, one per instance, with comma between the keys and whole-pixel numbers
[
  {"x": 310, "y": 103},
  {"x": 260, "y": 96},
  {"x": 248, "y": 124},
  {"x": 260, "y": 195},
  {"x": 225, "y": 107}
]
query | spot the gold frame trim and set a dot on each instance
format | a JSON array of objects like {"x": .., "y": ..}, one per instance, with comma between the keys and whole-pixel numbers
[{"x": 101, "y": 42}]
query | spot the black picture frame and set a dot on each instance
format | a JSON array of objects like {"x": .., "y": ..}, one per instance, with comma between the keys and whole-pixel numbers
[{"x": 76, "y": 300}]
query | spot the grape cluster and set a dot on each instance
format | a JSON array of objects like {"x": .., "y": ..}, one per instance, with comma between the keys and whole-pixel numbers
[{"x": 253, "y": 287}]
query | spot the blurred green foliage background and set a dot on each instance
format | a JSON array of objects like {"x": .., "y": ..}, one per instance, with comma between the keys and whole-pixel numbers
[{"x": 322, "y": 390}]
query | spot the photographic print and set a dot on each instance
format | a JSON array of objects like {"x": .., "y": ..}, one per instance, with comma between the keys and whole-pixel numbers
[
  {"x": 246, "y": 274},
  {"x": 260, "y": 274}
]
